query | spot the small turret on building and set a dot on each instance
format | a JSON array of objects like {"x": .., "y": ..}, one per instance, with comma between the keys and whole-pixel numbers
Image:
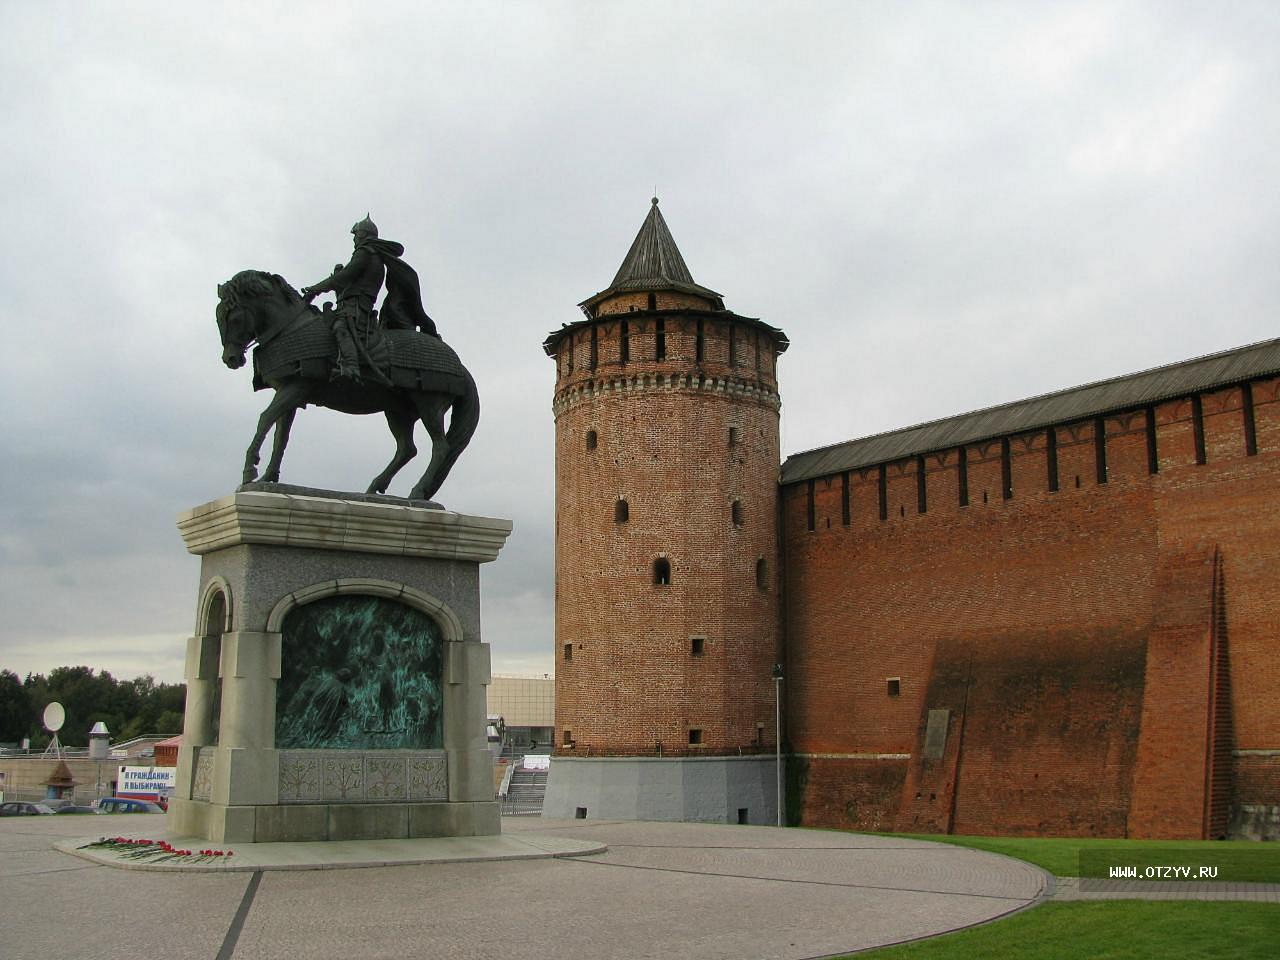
[
  {"x": 667, "y": 607},
  {"x": 99, "y": 742}
]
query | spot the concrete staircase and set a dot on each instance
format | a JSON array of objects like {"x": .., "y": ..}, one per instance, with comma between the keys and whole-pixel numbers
[{"x": 525, "y": 792}]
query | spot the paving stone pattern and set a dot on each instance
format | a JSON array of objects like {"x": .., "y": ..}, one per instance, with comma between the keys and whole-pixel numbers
[{"x": 661, "y": 890}]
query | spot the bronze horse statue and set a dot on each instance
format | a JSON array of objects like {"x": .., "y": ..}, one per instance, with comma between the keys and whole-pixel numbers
[{"x": 421, "y": 378}]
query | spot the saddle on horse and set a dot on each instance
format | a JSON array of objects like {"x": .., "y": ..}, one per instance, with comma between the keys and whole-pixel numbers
[{"x": 399, "y": 358}]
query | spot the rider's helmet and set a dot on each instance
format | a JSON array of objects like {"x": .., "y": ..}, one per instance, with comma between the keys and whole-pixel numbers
[{"x": 365, "y": 228}]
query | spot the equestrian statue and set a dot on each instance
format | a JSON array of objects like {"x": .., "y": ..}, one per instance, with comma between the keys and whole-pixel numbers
[{"x": 351, "y": 357}]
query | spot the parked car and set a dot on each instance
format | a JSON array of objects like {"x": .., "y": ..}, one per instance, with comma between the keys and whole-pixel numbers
[
  {"x": 128, "y": 805},
  {"x": 74, "y": 808},
  {"x": 15, "y": 808}
]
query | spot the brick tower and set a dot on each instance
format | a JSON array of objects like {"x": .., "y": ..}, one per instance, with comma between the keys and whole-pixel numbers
[{"x": 667, "y": 605}]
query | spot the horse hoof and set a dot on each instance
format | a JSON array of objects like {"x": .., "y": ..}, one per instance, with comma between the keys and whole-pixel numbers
[{"x": 250, "y": 476}]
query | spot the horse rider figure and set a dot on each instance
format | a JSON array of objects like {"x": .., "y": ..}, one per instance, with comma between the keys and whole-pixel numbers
[{"x": 357, "y": 326}]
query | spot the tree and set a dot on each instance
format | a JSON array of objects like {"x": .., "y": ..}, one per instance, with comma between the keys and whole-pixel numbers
[
  {"x": 129, "y": 708},
  {"x": 15, "y": 708}
]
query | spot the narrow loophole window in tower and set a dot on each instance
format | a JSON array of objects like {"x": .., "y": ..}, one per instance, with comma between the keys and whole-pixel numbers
[
  {"x": 621, "y": 512},
  {"x": 1153, "y": 453},
  {"x": 1197, "y": 427},
  {"x": 624, "y": 341},
  {"x": 697, "y": 646},
  {"x": 568, "y": 651},
  {"x": 1250, "y": 422},
  {"x": 662, "y": 572},
  {"x": 1006, "y": 469},
  {"x": 1100, "y": 448},
  {"x": 1051, "y": 458},
  {"x": 659, "y": 339},
  {"x": 735, "y": 512},
  {"x": 893, "y": 686},
  {"x": 695, "y": 737},
  {"x": 762, "y": 574},
  {"x": 592, "y": 440}
]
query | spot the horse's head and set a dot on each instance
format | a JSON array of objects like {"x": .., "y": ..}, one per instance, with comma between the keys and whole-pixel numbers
[
  {"x": 234, "y": 326},
  {"x": 248, "y": 304}
]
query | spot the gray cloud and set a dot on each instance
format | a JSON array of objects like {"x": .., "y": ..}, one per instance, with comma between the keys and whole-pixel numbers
[{"x": 944, "y": 207}]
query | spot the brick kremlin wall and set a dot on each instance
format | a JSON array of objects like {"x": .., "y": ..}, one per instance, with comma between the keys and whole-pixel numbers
[{"x": 1104, "y": 653}]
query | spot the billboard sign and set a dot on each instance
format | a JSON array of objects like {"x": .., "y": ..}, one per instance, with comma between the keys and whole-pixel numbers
[{"x": 159, "y": 781}]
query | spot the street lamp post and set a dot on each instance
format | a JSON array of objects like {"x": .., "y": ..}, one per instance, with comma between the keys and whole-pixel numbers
[{"x": 777, "y": 737}]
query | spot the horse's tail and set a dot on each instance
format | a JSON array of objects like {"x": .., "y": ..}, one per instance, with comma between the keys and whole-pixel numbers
[{"x": 463, "y": 418}]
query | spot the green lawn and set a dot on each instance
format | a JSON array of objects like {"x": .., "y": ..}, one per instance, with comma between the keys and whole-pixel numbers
[
  {"x": 1118, "y": 929},
  {"x": 1111, "y": 930},
  {"x": 1239, "y": 861}
]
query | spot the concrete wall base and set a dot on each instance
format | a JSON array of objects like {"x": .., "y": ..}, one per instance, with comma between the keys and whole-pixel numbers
[{"x": 702, "y": 789}]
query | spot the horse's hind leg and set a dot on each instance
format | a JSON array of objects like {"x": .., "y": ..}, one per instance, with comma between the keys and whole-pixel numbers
[
  {"x": 401, "y": 423},
  {"x": 279, "y": 442},
  {"x": 431, "y": 408}
]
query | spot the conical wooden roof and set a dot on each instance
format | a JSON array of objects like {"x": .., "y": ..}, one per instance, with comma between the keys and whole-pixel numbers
[{"x": 654, "y": 262}]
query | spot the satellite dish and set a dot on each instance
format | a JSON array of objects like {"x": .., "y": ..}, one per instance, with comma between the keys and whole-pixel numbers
[{"x": 54, "y": 717}]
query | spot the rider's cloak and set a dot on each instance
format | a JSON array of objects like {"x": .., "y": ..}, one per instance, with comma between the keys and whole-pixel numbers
[{"x": 402, "y": 306}]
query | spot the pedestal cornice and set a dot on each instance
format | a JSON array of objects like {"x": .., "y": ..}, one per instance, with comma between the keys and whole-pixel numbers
[{"x": 333, "y": 523}]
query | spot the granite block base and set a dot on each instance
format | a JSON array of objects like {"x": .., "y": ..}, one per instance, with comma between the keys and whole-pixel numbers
[{"x": 277, "y": 823}]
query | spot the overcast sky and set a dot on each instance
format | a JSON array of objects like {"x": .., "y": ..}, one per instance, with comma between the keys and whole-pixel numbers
[{"x": 945, "y": 206}]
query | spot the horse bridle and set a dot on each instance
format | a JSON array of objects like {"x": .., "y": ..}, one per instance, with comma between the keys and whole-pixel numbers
[
  {"x": 304, "y": 313},
  {"x": 230, "y": 302}
]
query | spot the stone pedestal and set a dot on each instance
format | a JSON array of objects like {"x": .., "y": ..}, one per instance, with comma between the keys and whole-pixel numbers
[{"x": 266, "y": 555}]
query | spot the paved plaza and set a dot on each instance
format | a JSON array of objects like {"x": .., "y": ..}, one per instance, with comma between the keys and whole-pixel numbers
[
  {"x": 659, "y": 890},
  {"x": 634, "y": 890}
]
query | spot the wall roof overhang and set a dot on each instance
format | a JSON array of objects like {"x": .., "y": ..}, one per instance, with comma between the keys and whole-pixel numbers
[{"x": 1127, "y": 392}]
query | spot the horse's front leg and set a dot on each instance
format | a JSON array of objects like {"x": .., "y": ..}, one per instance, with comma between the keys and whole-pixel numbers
[
  {"x": 279, "y": 441},
  {"x": 286, "y": 399}
]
